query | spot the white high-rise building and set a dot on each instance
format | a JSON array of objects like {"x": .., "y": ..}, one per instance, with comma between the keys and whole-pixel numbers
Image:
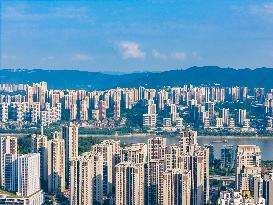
[
  {"x": 73, "y": 111},
  {"x": 39, "y": 145},
  {"x": 3, "y": 112},
  {"x": 136, "y": 153},
  {"x": 154, "y": 147},
  {"x": 248, "y": 159},
  {"x": 56, "y": 164},
  {"x": 225, "y": 116},
  {"x": 188, "y": 141},
  {"x": 109, "y": 149},
  {"x": 28, "y": 174},
  {"x": 70, "y": 136},
  {"x": 241, "y": 117},
  {"x": 83, "y": 110},
  {"x": 86, "y": 179},
  {"x": 130, "y": 183},
  {"x": 35, "y": 112},
  {"x": 176, "y": 187}
]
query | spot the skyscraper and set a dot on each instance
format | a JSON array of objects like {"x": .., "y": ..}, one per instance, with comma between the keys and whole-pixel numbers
[
  {"x": 248, "y": 159},
  {"x": 70, "y": 136},
  {"x": 155, "y": 181},
  {"x": 131, "y": 183},
  {"x": 227, "y": 157},
  {"x": 102, "y": 110},
  {"x": 176, "y": 187},
  {"x": 109, "y": 149},
  {"x": 39, "y": 145},
  {"x": 56, "y": 164},
  {"x": 268, "y": 189},
  {"x": 188, "y": 141},
  {"x": 136, "y": 153},
  {"x": 241, "y": 117},
  {"x": 225, "y": 116},
  {"x": 28, "y": 174},
  {"x": 83, "y": 110},
  {"x": 8, "y": 145},
  {"x": 200, "y": 176},
  {"x": 86, "y": 182},
  {"x": 116, "y": 109},
  {"x": 154, "y": 147},
  {"x": 11, "y": 173}
]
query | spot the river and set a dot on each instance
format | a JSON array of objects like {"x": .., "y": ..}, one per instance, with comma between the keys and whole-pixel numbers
[{"x": 266, "y": 144}]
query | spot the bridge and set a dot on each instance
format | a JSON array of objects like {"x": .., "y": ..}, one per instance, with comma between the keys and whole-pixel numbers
[{"x": 222, "y": 178}]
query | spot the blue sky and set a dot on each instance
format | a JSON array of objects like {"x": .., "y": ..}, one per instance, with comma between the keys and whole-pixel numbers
[{"x": 127, "y": 36}]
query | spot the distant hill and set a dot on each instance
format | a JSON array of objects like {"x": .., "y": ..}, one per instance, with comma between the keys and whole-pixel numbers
[{"x": 74, "y": 79}]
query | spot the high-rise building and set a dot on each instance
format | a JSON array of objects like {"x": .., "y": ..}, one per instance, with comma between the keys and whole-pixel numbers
[
  {"x": 28, "y": 174},
  {"x": 116, "y": 110},
  {"x": 200, "y": 176},
  {"x": 8, "y": 145},
  {"x": 227, "y": 157},
  {"x": 188, "y": 141},
  {"x": 136, "y": 153},
  {"x": 102, "y": 110},
  {"x": 3, "y": 112},
  {"x": 155, "y": 181},
  {"x": 86, "y": 179},
  {"x": 248, "y": 159},
  {"x": 56, "y": 164},
  {"x": 73, "y": 112},
  {"x": 11, "y": 175},
  {"x": 154, "y": 147},
  {"x": 211, "y": 152},
  {"x": 152, "y": 108},
  {"x": 109, "y": 149},
  {"x": 70, "y": 136},
  {"x": 131, "y": 184},
  {"x": 170, "y": 155},
  {"x": 39, "y": 145},
  {"x": 173, "y": 112},
  {"x": 268, "y": 189},
  {"x": 241, "y": 117},
  {"x": 22, "y": 180},
  {"x": 225, "y": 116},
  {"x": 256, "y": 186},
  {"x": 95, "y": 115},
  {"x": 176, "y": 187},
  {"x": 83, "y": 110},
  {"x": 209, "y": 107}
]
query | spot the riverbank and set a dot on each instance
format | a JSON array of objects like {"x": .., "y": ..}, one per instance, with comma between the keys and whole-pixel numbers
[{"x": 149, "y": 135}]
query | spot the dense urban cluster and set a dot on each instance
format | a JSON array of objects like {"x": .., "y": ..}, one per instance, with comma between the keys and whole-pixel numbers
[
  {"x": 138, "y": 173},
  {"x": 211, "y": 109}
]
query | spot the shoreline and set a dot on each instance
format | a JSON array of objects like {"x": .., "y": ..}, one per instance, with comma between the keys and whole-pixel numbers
[{"x": 147, "y": 135}]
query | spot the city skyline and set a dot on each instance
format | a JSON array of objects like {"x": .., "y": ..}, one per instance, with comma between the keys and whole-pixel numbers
[
  {"x": 135, "y": 36},
  {"x": 152, "y": 102}
]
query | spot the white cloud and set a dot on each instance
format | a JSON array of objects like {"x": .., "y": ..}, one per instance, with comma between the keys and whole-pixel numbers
[
  {"x": 262, "y": 9},
  {"x": 196, "y": 56},
  {"x": 82, "y": 57},
  {"x": 130, "y": 49},
  {"x": 32, "y": 13},
  {"x": 9, "y": 57},
  {"x": 158, "y": 54},
  {"x": 181, "y": 56}
]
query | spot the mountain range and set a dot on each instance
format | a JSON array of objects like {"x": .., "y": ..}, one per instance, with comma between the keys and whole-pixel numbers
[{"x": 75, "y": 79}]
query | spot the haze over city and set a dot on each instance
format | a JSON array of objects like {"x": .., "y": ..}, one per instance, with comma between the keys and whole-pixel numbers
[{"x": 129, "y": 36}]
